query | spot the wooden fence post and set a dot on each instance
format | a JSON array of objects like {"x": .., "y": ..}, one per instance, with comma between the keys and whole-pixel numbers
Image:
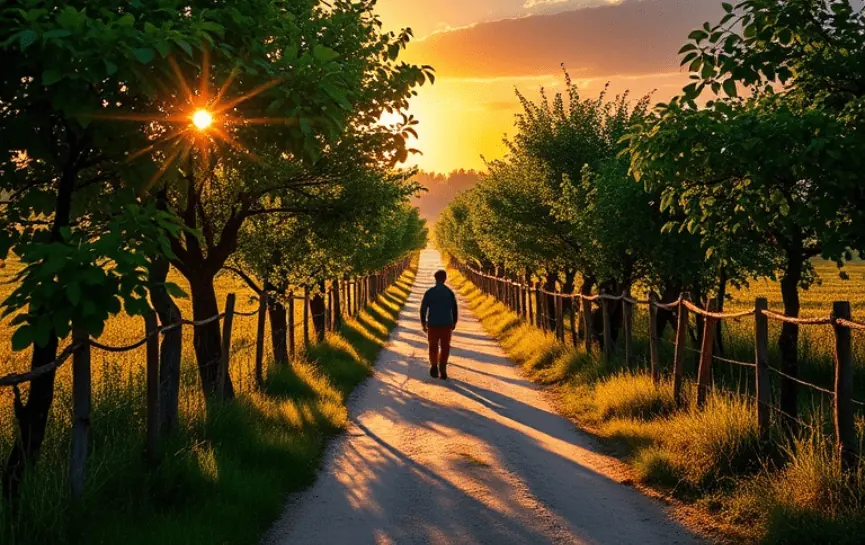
[
  {"x": 559, "y": 308},
  {"x": 574, "y": 318},
  {"x": 292, "y": 352},
  {"x": 608, "y": 333},
  {"x": 627, "y": 326},
  {"x": 81, "y": 403},
  {"x": 536, "y": 302},
  {"x": 654, "y": 341},
  {"x": 587, "y": 323},
  {"x": 259, "y": 340},
  {"x": 845, "y": 426},
  {"x": 529, "y": 305},
  {"x": 679, "y": 358},
  {"x": 306, "y": 317},
  {"x": 328, "y": 309},
  {"x": 226, "y": 344},
  {"x": 151, "y": 330},
  {"x": 704, "y": 374},
  {"x": 761, "y": 357}
]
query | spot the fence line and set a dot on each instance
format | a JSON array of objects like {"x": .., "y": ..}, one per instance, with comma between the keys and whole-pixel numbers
[
  {"x": 546, "y": 311},
  {"x": 367, "y": 290}
]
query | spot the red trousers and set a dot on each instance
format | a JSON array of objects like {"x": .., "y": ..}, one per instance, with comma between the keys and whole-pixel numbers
[{"x": 439, "y": 336}]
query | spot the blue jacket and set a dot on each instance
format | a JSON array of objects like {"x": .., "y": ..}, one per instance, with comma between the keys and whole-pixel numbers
[{"x": 439, "y": 307}]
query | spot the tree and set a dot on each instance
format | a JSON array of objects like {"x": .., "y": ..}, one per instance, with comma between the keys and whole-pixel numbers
[
  {"x": 760, "y": 171},
  {"x": 310, "y": 82},
  {"x": 778, "y": 173},
  {"x": 367, "y": 228},
  {"x": 72, "y": 211}
]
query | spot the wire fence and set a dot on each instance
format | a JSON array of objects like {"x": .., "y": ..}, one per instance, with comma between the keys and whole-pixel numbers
[
  {"x": 610, "y": 327},
  {"x": 244, "y": 349}
]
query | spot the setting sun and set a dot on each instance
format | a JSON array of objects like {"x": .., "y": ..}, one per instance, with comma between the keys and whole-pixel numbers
[{"x": 202, "y": 119}]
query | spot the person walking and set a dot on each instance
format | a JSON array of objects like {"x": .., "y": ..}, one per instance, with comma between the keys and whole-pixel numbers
[{"x": 438, "y": 317}]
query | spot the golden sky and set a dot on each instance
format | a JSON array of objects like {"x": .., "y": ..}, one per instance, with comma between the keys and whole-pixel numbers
[{"x": 483, "y": 49}]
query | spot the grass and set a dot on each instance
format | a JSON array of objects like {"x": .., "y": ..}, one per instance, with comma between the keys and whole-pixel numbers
[
  {"x": 769, "y": 490},
  {"x": 224, "y": 477}
]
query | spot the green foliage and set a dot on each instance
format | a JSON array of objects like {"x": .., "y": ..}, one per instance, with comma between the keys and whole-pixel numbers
[
  {"x": 82, "y": 280},
  {"x": 564, "y": 199},
  {"x": 72, "y": 213}
]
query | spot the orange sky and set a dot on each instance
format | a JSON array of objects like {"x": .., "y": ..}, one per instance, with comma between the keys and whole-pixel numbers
[{"x": 483, "y": 49}]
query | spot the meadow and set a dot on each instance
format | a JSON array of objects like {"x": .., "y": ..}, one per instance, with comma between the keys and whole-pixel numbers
[
  {"x": 224, "y": 476},
  {"x": 780, "y": 490}
]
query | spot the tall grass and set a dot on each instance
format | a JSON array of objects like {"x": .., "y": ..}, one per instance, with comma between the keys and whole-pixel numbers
[
  {"x": 771, "y": 489},
  {"x": 223, "y": 477}
]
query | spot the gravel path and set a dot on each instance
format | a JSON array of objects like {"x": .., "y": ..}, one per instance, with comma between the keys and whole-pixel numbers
[{"x": 479, "y": 459}]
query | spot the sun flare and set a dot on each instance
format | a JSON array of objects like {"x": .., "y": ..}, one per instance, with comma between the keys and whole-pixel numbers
[{"x": 202, "y": 119}]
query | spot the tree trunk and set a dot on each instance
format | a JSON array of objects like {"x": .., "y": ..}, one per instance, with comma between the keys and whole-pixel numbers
[
  {"x": 33, "y": 416},
  {"x": 32, "y": 421},
  {"x": 318, "y": 308},
  {"x": 278, "y": 324},
  {"x": 208, "y": 338},
  {"x": 671, "y": 293},
  {"x": 614, "y": 309},
  {"x": 337, "y": 305},
  {"x": 586, "y": 289},
  {"x": 719, "y": 304},
  {"x": 550, "y": 301},
  {"x": 171, "y": 350},
  {"x": 568, "y": 287},
  {"x": 788, "y": 342}
]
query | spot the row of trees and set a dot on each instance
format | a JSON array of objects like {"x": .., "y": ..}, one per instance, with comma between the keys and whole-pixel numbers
[
  {"x": 691, "y": 197},
  {"x": 288, "y": 178}
]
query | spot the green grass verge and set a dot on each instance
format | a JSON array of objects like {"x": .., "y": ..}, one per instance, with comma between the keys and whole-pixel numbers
[
  {"x": 760, "y": 490},
  {"x": 224, "y": 479}
]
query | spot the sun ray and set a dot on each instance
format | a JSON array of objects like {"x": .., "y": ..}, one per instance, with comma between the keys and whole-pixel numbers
[
  {"x": 222, "y": 135},
  {"x": 261, "y": 120},
  {"x": 151, "y": 118},
  {"x": 162, "y": 170},
  {"x": 204, "y": 82},
  {"x": 219, "y": 108},
  {"x": 190, "y": 97},
  {"x": 164, "y": 140},
  {"x": 228, "y": 81}
]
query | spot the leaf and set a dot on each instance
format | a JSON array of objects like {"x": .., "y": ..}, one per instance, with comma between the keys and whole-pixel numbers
[
  {"x": 698, "y": 35},
  {"x": 127, "y": 20},
  {"x": 728, "y": 7},
  {"x": 184, "y": 45},
  {"x": 51, "y": 76},
  {"x": 22, "y": 338},
  {"x": 59, "y": 33},
  {"x": 26, "y": 38},
  {"x": 730, "y": 88},
  {"x": 214, "y": 27},
  {"x": 110, "y": 67},
  {"x": 69, "y": 18},
  {"x": 175, "y": 291},
  {"x": 143, "y": 54},
  {"x": 324, "y": 54},
  {"x": 73, "y": 293},
  {"x": 687, "y": 47}
]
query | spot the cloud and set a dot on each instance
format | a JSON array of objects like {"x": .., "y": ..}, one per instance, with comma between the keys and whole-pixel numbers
[
  {"x": 534, "y": 3},
  {"x": 631, "y": 37}
]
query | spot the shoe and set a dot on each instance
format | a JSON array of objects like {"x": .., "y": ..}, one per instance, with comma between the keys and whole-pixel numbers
[
  {"x": 443, "y": 373},
  {"x": 434, "y": 371}
]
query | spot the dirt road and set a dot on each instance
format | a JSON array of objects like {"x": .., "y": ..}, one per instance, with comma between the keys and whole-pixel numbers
[{"x": 479, "y": 459}]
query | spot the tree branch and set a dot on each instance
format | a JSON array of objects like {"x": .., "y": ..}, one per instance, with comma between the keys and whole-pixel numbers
[{"x": 246, "y": 278}]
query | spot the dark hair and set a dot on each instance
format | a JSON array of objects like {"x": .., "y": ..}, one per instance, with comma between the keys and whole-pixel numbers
[{"x": 441, "y": 276}]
